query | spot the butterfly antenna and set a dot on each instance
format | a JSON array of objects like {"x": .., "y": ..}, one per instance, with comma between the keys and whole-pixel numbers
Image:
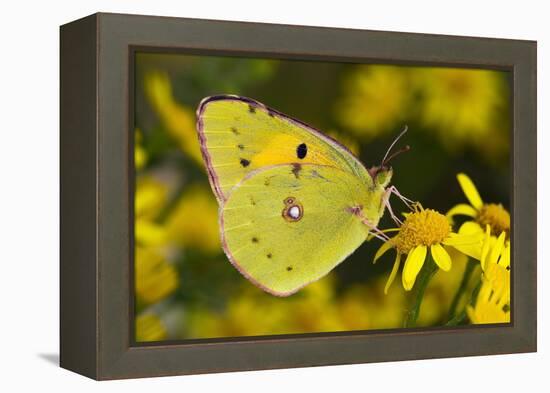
[
  {"x": 396, "y": 153},
  {"x": 386, "y": 159}
]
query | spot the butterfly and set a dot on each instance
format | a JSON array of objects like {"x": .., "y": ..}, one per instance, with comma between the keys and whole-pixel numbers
[{"x": 293, "y": 202}]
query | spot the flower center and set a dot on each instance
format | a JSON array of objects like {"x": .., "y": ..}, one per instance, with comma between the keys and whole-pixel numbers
[
  {"x": 423, "y": 227},
  {"x": 495, "y": 216}
]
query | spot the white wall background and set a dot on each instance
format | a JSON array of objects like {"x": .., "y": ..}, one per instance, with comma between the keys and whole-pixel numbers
[{"x": 29, "y": 193}]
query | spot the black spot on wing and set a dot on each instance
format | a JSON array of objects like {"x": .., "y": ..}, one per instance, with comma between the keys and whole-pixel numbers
[
  {"x": 289, "y": 268},
  {"x": 251, "y": 109},
  {"x": 245, "y": 162},
  {"x": 241, "y": 147},
  {"x": 255, "y": 240},
  {"x": 269, "y": 256},
  {"x": 235, "y": 131},
  {"x": 301, "y": 151},
  {"x": 267, "y": 180},
  {"x": 296, "y": 168}
]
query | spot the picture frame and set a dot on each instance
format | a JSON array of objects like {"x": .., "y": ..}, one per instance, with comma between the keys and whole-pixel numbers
[{"x": 96, "y": 195}]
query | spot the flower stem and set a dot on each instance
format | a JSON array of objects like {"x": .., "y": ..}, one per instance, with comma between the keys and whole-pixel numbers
[
  {"x": 426, "y": 273},
  {"x": 470, "y": 266},
  {"x": 458, "y": 318}
]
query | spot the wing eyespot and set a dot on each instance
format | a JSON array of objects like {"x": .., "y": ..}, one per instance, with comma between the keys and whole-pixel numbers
[{"x": 293, "y": 211}]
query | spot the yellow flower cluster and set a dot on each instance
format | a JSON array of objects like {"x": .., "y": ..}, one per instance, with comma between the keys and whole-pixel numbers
[
  {"x": 375, "y": 102},
  {"x": 179, "y": 120},
  {"x": 461, "y": 107},
  {"x": 156, "y": 278},
  {"x": 167, "y": 221},
  {"x": 493, "y": 301},
  {"x": 319, "y": 307},
  {"x": 190, "y": 223},
  {"x": 485, "y": 237},
  {"x": 149, "y": 327},
  {"x": 491, "y": 222},
  {"x": 140, "y": 155}
]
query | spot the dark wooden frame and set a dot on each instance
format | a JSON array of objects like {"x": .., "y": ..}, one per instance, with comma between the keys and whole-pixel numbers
[{"x": 97, "y": 184}]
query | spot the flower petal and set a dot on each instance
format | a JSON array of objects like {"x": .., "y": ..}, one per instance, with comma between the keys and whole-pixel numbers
[
  {"x": 455, "y": 239},
  {"x": 462, "y": 209},
  {"x": 485, "y": 248},
  {"x": 467, "y": 243},
  {"x": 505, "y": 258},
  {"x": 393, "y": 273},
  {"x": 441, "y": 257},
  {"x": 413, "y": 264},
  {"x": 149, "y": 233},
  {"x": 382, "y": 250},
  {"x": 470, "y": 190},
  {"x": 497, "y": 248},
  {"x": 470, "y": 228},
  {"x": 471, "y": 314}
]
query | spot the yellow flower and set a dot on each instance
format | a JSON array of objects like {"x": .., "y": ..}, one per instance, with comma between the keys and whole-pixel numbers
[
  {"x": 488, "y": 308},
  {"x": 150, "y": 198},
  {"x": 252, "y": 312},
  {"x": 422, "y": 230},
  {"x": 495, "y": 263},
  {"x": 194, "y": 221},
  {"x": 377, "y": 96},
  {"x": 140, "y": 155},
  {"x": 473, "y": 229},
  {"x": 354, "y": 310},
  {"x": 494, "y": 215},
  {"x": 364, "y": 307},
  {"x": 460, "y": 104},
  {"x": 493, "y": 301},
  {"x": 178, "y": 119},
  {"x": 155, "y": 278},
  {"x": 149, "y": 327}
]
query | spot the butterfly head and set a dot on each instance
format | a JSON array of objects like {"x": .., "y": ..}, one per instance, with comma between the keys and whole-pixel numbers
[{"x": 382, "y": 174}]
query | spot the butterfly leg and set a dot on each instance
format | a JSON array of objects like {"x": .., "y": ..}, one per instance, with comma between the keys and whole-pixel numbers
[
  {"x": 408, "y": 202},
  {"x": 374, "y": 230},
  {"x": 386, "y": 201}
]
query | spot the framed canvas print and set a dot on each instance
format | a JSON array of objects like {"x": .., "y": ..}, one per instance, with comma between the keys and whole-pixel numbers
[{"x": 240, "y": 196}]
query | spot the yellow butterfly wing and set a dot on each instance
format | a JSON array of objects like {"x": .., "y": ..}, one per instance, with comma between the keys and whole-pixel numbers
[
  {"x": 239, "y": 135},
  {"x": 287, "y": 225}
]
